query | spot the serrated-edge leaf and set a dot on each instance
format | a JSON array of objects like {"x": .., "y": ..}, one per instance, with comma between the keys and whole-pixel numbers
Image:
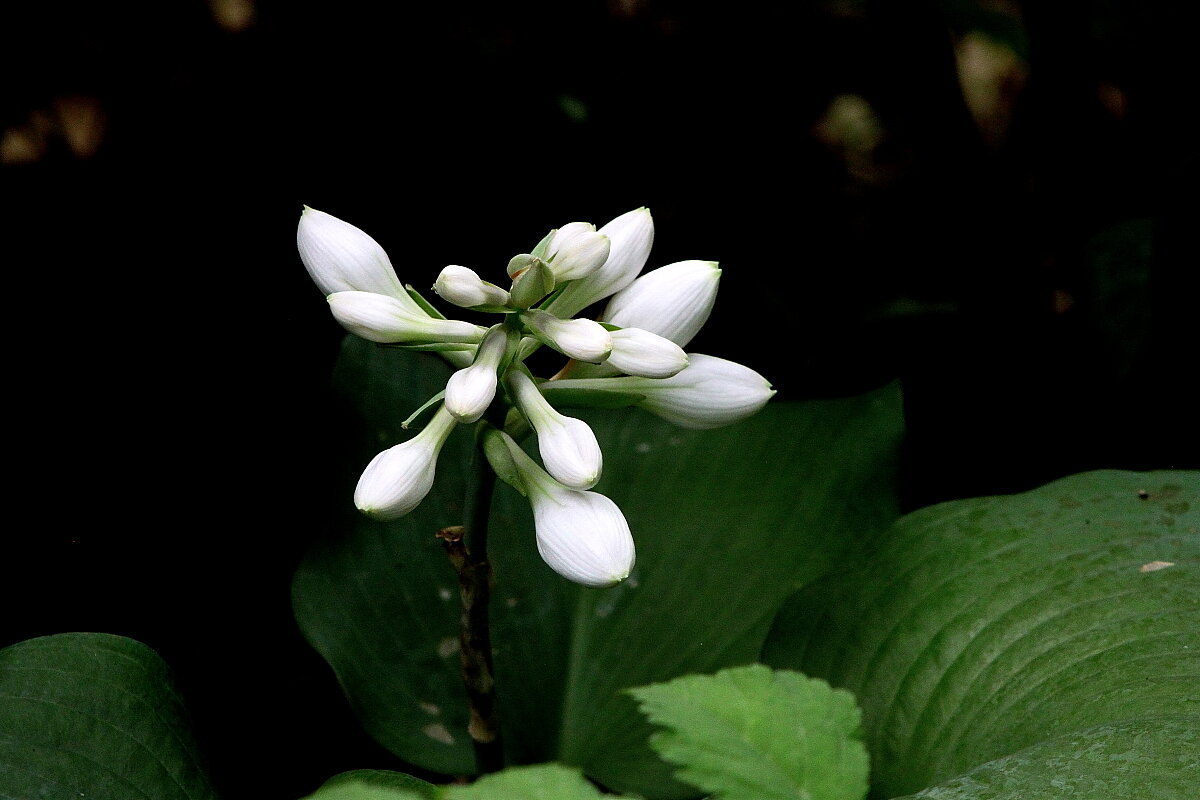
[
  {"x": 374, "y": 784},
  {"x": 537, "y": 782},
  {"x": 751, "y": 733}
]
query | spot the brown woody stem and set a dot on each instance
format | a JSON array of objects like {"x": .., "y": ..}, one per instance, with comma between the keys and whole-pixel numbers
[{"x": 466, "y": 546}]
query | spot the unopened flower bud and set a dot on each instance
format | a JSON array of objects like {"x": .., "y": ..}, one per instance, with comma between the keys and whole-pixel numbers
[
  {"x": 533, "y": 281},
  {"x": 397, "y": 480},
  {"x": 464, "y": 288},
  {"x": 708, "y": 393},
  {"x": 581, "y": 535},
  {"x": 630, "y": 237},
  {"x": 575, "y": 251},
  {"x": 470, "y": 391},
  {"x": 581, "y": 339},
  {"x": 647, "y": 355},
  {"x": 385, "y": 319},
  {"x": 567, "y": 445},
  {"x": 673, "y": 301},
  {"x": 342, "y": 258}
]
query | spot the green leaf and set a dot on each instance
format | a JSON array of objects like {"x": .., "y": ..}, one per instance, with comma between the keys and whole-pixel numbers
[
  {"x": 1000, "y": 641},
  {"x": 593, "y": 398},
  {"x": 728, "y": 523},
  {"x": 374, "y": 784},
  {"x": 541, "y": 782},
  {"x": 1148, "y": 757},
  {"x": 97, "y": 716},
  {"x": 748, "y": 733},
  {"x": 379, "y": 600},
  {"x": 433, "y": 347}
]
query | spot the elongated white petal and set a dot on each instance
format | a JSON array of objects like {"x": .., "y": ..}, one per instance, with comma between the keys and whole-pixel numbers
[
  {"x": 464, "y": 288},
  {"x": 576, "y": 250},
  {"x": 397, "y": 480},
  {"x": 567, "y": 445},
  {"x": 630, "y": 236},
  {"x": 581, "y": 339},
  {"x": 342, "y": 258},
  {"x": 673, "y": 301},
  {"x": 380, "y": 318},
  {"x": 583, "y": 536},
  {"x": 709, "y": 393},
  {"x": 470, "y": 391},
  {"x": 645, "y": 354}
]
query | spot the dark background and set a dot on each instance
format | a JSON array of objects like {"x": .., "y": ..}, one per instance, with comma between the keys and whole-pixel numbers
[{"x": 991, "y": 202}]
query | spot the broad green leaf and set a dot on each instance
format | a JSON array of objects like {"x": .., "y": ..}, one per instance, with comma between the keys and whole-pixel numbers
[
  {"x": 374, "y": 784},
  {"x": 540, "y": 782},
  {"x": 995, "y": 640},
  {"x": 97, "y": 716},
  {"x": 379, "y": 600},
  {"x": 728, "y": 523},
  {"x": 1151, "y": 757},
  {"x": 750, "y": 733}
]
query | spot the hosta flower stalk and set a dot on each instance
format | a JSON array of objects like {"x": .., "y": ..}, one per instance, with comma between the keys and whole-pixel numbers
[{"x": 636, "y": 356}]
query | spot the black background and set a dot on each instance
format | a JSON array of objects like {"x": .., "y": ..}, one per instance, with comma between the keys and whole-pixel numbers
[{"x": 169, "y": 420}]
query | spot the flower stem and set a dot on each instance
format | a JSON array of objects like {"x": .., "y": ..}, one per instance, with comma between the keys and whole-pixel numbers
[{"x": 466, "y": 546}]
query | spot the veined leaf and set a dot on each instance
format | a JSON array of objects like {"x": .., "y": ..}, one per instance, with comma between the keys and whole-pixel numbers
[
  {"x": 375, "y": 784},
  {"x": 1012, "y": 631},
  {"x": 728, "y": 523},
  {"x": 96, "y": 716},
  {"x": 750, "y": 733}
]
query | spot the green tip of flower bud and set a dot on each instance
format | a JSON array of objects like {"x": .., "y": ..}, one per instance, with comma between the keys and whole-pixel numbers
[
  {"x": 519, "y": 263},
  {"x": 531, "y": 284}
]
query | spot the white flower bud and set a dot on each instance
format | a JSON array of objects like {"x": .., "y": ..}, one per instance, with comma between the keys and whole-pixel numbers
[
  {"x": 708, "y": 393},
  {"x": 397, "y": 480},
  {"x": 576, "y": 250},
  {"x": 470, "y": 391},
  {"x": 567, "y": 445},
  {"x": 647, "y": 355},
  {"x": 384, "y": 319},
  {"x": 630, "y": 237},
  {"x": 341, "y": 258},
  {"x": 582, "y": 536},
  {"x": 463, "y": 287},
  {"x": 673, "y": 301},
  {"x": 581, "y": 339}
]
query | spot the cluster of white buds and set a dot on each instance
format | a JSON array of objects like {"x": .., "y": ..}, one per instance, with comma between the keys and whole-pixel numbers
[{"x": 632, "y": 355}]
